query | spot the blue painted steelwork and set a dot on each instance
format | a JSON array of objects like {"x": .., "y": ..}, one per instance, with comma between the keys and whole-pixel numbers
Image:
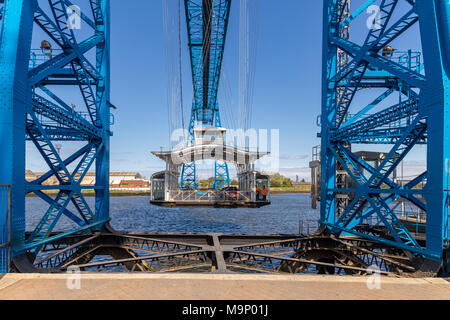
[
  {"x": 421, "y": 116},
  {"x": 207, "y": 24},
  {"x": 188, "y": 176},
  {"x": 222, "y": 178},
  {"x": 5, "y": 225},
  {"x": 32, "y": 110}
]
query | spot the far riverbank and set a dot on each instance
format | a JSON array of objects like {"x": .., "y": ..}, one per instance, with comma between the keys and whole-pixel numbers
[{"x": 147, "y": 193}]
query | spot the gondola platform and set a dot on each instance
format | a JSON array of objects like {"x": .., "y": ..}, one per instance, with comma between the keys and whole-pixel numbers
[{"x": 211, "y": 204}]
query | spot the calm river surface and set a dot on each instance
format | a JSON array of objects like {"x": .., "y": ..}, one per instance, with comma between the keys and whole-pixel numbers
[{"x": 136, "y": 214}]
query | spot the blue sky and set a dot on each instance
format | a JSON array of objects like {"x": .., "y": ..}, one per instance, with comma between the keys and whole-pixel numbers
[
  {"x": 287, "y": 86},
  {"x": 287, "y": 83}
]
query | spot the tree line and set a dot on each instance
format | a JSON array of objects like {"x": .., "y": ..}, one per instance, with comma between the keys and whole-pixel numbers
[{"x": 276, "y": 181}]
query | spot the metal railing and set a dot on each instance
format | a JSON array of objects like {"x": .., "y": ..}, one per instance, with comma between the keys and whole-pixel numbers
[
  {"x": 308, "y": 226},
  {"x": 413, "y": 218},
  {"x": 5, "y": 228},
  {"x": 409, "y": 59},
  {"x": 414, "y": 221},
  {"x": 39, "y": 56},
  {"x": 209, "y": 195},
  {"x": 85, "y": 115}
]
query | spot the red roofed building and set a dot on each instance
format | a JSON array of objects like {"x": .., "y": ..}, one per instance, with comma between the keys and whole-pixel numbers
[{"x": 117, "y": 180}]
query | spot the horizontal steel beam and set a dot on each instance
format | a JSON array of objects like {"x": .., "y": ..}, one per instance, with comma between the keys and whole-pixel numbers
[
  {"x": 64, "y": 118},
  {"x": 410, "y": 77},
  {"x": 51, "y": 66},
  {"x": 397, "y": 112}
]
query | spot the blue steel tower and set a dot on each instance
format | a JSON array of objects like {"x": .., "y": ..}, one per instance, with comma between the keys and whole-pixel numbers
[
  {"x": 73, "y": 58},
  {"x": 421, "y": 116},
  {"x": 207, "y": 24}
]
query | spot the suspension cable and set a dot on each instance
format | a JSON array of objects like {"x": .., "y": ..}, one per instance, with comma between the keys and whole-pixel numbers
[{"x": 180, "y": 70}]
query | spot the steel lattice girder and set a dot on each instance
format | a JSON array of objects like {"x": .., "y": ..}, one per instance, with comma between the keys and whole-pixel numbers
[
  {"x": 421, "y": 119},
  {"x": 148, "y": 252},
  {"x": 27, "y": 115},
  {"x": 64, "y": 118},
  {"x": 207, "y": 24},
  {"x": 188, "y": 175},
  {"x": 222, "y": 178}
]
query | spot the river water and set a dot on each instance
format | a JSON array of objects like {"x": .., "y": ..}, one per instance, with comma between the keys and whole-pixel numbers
[{"x": 135, "y": 214}]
